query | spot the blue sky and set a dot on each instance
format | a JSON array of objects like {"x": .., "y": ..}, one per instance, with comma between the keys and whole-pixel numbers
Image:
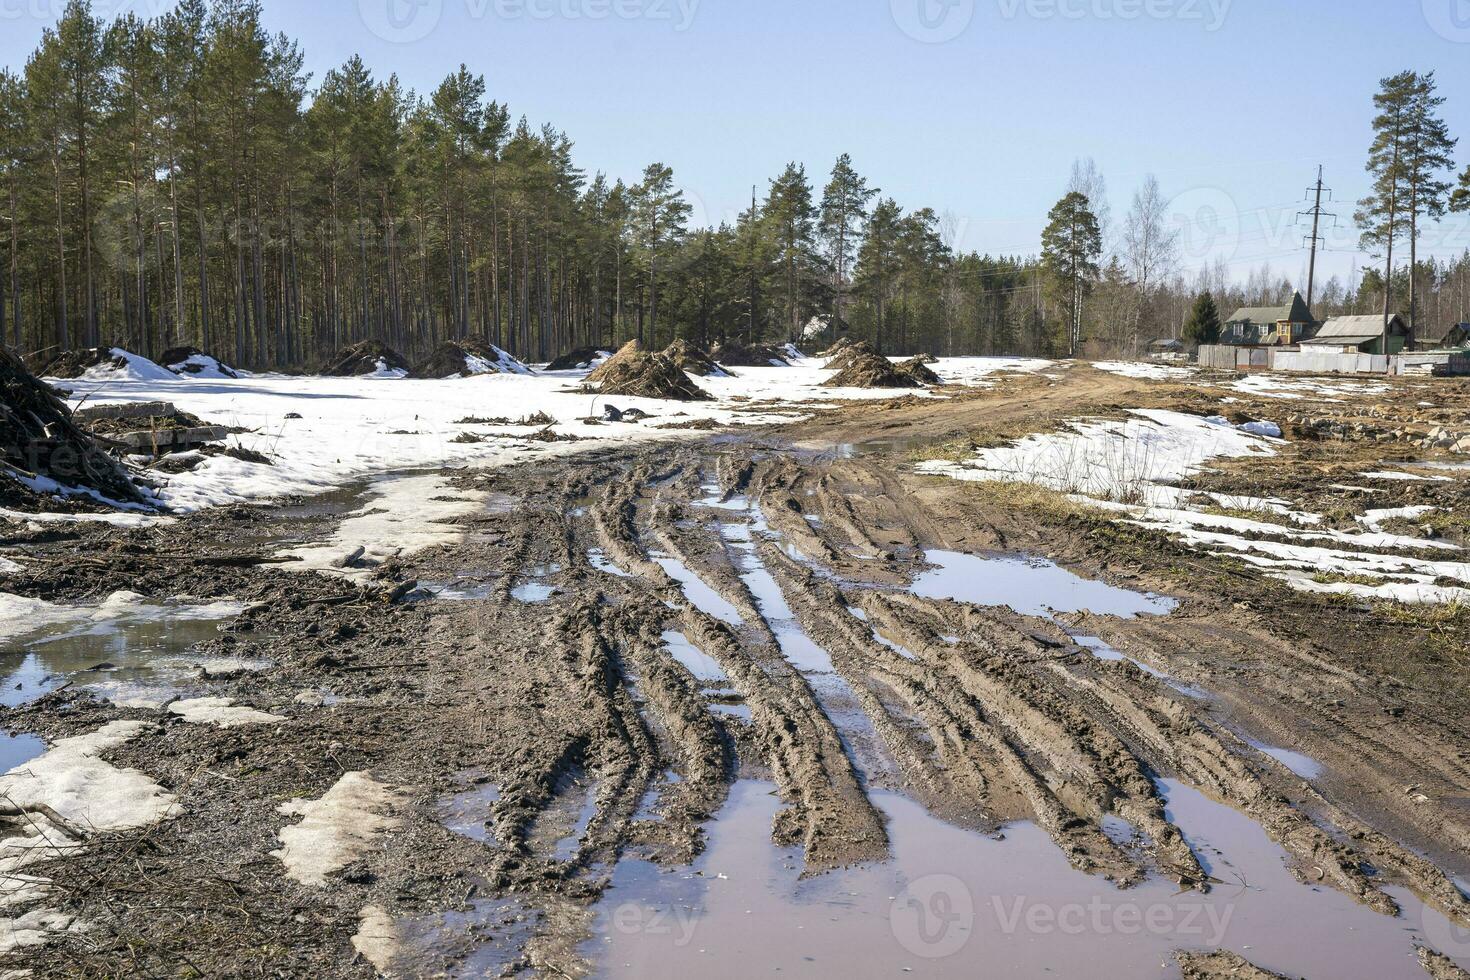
[{"x": 975, "y": 108}]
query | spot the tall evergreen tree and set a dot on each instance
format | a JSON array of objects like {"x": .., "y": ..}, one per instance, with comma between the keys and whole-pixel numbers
[
  {"x": 1070, "y": 247},
  {"x": 844, "y": 208},
  {"x": 792, "y": 216},
  {"x": 1383, "y": 214},
  {"x": 659, "y": 216}
]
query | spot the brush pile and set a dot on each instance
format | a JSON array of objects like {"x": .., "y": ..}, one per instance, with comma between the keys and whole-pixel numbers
[
  {"x": 735, "y": 354},
  {"x": 694, "y": 360},
  {"x": 467, "y": 358},
  {"x": 195, "y": 363},
  {"x": 42, "y": 449},
  {"x": 367, "y": 358},
  {"x": 866, "y": 370},
  {"x": 638, "y": 373},
  {"x": 918, "y": 368},
  {"x": 849, "y": 352},
  {"x": 581, "y": 359}
]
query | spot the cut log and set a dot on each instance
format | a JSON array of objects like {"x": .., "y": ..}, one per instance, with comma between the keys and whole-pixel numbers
[
  {"x": 131, "y": 410},
  {"x": 155, "y": 439}
]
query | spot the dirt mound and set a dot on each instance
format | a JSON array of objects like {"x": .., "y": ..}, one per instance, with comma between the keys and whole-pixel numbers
[
  {"x": 196, "y": 363},
  {"x": 917, "y": 368},
  {"x": 581, "y": 359},
  {"x": 42, "y": 446},
  {"x": 467, "y": 358},
  {"x": 849, "y": 353},
  {"x": 866, "y": 370},
  {"x": 735, "y": 354},
  {"x": 104, "y": 364},
  {"x": 842, "y": 344},
  {"x": 693, "y": 359},
  {"x": 638, "y": 373},
  {"x": 365, "y": 358}
]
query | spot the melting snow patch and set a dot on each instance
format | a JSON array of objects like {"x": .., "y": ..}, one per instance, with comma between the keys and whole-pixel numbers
[
  {"x": 401, "y": 516},
  {"x": 1129, "y": 460},
  {"x": 1144, "y": 371},
  {"x": 337, "y": 829},
  {"x": 82, "y": 789},
  {"x": 221, "y": 712}
]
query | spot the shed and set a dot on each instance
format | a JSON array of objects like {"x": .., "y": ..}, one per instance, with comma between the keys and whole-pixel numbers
[
  {"x": 1458, "y": 336},
  {"x": 1363, "y": 334},
  {"x": 1269, "y": 325}
]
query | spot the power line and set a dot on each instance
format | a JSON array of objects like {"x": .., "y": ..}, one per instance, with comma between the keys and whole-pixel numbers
[{"x": 1316, "y": 239}]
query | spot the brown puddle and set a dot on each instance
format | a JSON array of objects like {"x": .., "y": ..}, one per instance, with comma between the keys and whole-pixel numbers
[{"x": 952, "y": 903}]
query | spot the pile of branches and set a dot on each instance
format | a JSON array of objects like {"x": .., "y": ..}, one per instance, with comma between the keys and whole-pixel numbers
[
  {"x": 865, "y": 370},
  {"x": 848, "y": 352},
  {"x": 38, "y": 439},
  {"x": 917, "y": 367},
  {"x": 735, "y": 354},
  {"x": 576, "y": 360},
  {"x": 638, "y": 373},
  {"x": 365, "y": 357},
  {"x": 693, "y": 359}
]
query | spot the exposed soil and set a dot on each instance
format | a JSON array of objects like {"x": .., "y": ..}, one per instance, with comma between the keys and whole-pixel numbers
[{"x": 982, "y": 714}]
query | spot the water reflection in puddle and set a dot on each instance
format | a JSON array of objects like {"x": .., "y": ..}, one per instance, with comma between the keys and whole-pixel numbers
[
  {"x": 951, "y": 901},
  {"x": 468, "y": 813},
  {"x": 1102, "y": 651},
  {"x": 1302, "y": 765},
  {"x": 532, "y": 592},
  {"x": 698, "y": 663},
  {"x": 124, "y": 649},
  {"x": 599, "y": 560},
  {"x": 704, "y": 598},
  {"x": 1030, "y": 586}
]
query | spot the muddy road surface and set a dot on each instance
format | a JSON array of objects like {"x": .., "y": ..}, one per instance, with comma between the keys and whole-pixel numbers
[{"x": 758, "y": 704}]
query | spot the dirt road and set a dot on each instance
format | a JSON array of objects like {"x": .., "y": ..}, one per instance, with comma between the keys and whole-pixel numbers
[{"x": 583, "y": 677}]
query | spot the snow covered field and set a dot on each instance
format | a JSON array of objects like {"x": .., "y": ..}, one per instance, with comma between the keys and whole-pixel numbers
[{"x": 321, "y": 433}]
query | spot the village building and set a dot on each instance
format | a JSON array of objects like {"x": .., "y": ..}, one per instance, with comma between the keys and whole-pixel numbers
[
  {"x": 1269, "y": 326},
  {"x": 1360, "y": 334}
]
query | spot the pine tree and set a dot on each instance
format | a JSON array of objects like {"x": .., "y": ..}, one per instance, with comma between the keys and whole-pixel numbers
[
  {"x": 792, "y": 216},
  {"x": 1383, "y": 214},
  {"x": 659, "y": 215},
  {"x": 1460, "y": 201},
  {"x": 1203, "y": 325},
  {"x": 877, "y": 262},
  {"x": 1429, "y": 147},
  {"x": 844, "y": 207},
  {"x": 1070, "y": 246}
]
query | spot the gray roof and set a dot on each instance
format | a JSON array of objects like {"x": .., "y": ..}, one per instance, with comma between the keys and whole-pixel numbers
[
  {"x": 1294, "y": 312},
  {"x": 1341, "y": 331},
  {"x": 1268, "y": 315}
]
